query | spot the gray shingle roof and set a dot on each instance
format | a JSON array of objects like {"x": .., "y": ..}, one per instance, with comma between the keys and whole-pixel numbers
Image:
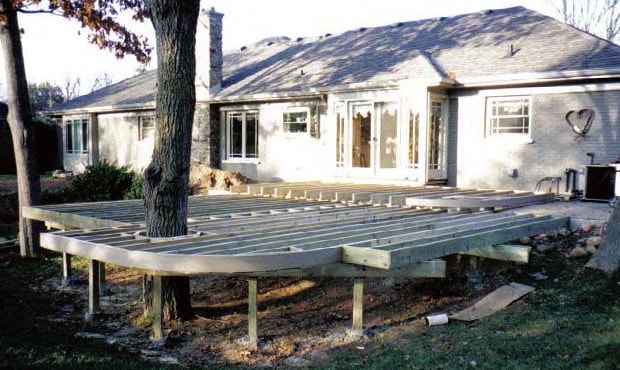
[{"x": 469, "y": 46}]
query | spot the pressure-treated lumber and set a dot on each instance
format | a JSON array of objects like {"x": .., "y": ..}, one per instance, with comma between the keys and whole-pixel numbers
[
  {"x": 253, "y": 311},
  {"x": 485, "y": 202},
  {"x": 93, "y": 287},
  {"x": 158, "y": 308},
  {"x": 191, "y": 264},
  {"x": 425, "y": 269},
  {"x": 408, "y": 252},
  {"x": 504, "y": 252},
  {"x": 357, "y": 328},
  {"x": 67, "y": 274}
]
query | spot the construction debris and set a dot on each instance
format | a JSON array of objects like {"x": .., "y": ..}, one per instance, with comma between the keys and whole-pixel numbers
[{"x": 499, "y": 299}]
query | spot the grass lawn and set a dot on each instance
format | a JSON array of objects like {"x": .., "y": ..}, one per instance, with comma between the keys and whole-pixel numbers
[
  {"x": 8, "y": 177},
  {"x": 571, "y": 321}
]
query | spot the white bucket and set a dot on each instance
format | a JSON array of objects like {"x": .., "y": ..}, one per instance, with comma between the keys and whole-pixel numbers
[{"x": 440, "y": 319}]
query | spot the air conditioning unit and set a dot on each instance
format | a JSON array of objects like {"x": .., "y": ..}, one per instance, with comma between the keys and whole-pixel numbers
[{"x": 598, "y": 182}]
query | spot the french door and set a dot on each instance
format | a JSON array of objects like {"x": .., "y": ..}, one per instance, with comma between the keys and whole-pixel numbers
[
  {"x": 437, "y": 138},
  {"x": 373, "y": 149}
]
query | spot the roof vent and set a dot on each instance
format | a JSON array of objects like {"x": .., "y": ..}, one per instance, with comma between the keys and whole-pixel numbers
[
  {"x": 512, "y": 50},
  {"x": 399, "y": 24},
  {"x": 487, "y": 12},
  {"x": 362, "y": 29},
  {"x": 327, "y": 35},
  {"x": 244, "y": 48},
  {"x": 270, "y": 43},
  {"x": 300, "y": 39},
  {"x": 441, "y": 19}
]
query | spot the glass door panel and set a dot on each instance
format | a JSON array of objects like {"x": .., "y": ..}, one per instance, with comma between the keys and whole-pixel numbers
[
  {"x": 437, "y": 148},
  {"x": 361, "y": 136},
  {"x": 388, "y": 136}
]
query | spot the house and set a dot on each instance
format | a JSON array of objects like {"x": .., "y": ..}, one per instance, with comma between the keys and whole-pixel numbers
[{"x": 499, "y": 99}]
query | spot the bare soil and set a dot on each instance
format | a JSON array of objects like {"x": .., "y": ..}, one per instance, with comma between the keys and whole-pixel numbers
[{"x": 301, "y": 321}]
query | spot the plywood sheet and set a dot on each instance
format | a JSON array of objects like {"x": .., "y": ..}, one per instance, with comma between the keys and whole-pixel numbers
[{"x": 496, "y": 301}]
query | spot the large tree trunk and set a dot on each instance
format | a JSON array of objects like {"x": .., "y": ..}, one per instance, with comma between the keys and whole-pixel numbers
[
  {"x": 608, "y": 256},
  {"x": 22, "y": 130},
  {"x": 167, "y": 176}
]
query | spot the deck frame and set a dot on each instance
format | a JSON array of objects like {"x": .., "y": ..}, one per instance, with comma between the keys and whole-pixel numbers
[{"x": 296, "y": 229}]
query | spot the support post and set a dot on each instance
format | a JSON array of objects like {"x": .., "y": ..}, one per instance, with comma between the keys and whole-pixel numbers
[
  {"x": 358, "y": 307},
  {"x": 103, "y": 287},
  {"x": 253, "y": 311},
  {"x": 158, "y": 308},
  {"x": 93, "y": 288},
  {"x": 66, "y": 269}
]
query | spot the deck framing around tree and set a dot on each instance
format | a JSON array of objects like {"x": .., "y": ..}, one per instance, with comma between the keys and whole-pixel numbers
[{"x": 294, "y": 229}]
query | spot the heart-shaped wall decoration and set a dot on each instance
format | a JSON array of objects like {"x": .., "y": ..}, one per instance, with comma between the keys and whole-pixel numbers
[{"x": 580, "y": 121}]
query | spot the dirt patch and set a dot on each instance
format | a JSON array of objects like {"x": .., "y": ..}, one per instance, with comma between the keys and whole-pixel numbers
[
  {"x": 301, "y": 321},
  {"x": 202, "y": 178}
]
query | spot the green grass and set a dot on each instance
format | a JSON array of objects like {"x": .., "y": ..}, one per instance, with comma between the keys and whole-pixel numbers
[
  {"x": 571, "y": 321},
  {"x": 14, "y": 177},
  {"x": 31, "y": 339}
]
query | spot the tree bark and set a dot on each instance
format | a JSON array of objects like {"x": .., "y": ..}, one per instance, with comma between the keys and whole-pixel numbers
[
  {"x": 22, "y": 130},
  {"x": 608, "y": 256},
  {"x": 166, "y": 186}
]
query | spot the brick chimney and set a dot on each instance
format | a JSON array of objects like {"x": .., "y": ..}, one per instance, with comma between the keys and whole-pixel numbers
[{"x": 209, "y": 54}]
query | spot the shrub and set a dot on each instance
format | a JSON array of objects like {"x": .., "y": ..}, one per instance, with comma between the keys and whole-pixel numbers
[
  {"x": 135, "y": 191},
  {"x": 102, "y": 181}
]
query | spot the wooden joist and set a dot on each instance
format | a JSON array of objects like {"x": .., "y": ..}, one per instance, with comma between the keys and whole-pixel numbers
[
  {"x": 381, "y": 244},
  {"x": 490, "y": 200},
  {"x": 389, "y": 256},
  {"x": 504, "y": 252}
]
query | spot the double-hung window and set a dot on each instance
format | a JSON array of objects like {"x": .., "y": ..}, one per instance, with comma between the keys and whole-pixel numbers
[
  {"x": 509, "y": 115},
  {"x": 242, "y": 135},
  {"x": 146, "y": 127},
  {"x": 76, "y": 136},
  {"x": 296, "y": 121}
]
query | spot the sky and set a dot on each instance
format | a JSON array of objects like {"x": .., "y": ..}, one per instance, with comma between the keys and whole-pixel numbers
[{"x": 54, "y": 50}]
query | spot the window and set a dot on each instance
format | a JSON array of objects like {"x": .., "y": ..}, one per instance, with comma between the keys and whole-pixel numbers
[
  {"x": 340, "y": 148},
  {"x": 509, "y": 115},
  {"x": 242, "y": 135},
  {"x": 76, "y": 136},
  {"x": 146, "y": 127},
  {"x": 295, "y": 121},
  {"x": 414, "y": 140}
]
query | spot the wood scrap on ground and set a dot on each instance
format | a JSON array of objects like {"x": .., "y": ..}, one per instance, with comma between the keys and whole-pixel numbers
[{"x": 497, "y": 300}]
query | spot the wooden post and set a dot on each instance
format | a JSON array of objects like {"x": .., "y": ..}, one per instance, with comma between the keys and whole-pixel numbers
[
  {"x": 358, "y": 307},
  {"x": 66, "y": 269},
  {"x": 93, "y": 288},
  {"x": 158, "y": 308},
  {"x": 474, "y": 263},
  {"x": 103, "y": 287},
  {"x": 253, "y": 311}
]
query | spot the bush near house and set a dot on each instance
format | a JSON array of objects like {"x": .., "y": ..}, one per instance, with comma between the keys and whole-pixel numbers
[
  {"x": 106, "y": 181},
  {"x": 102, "y": 181}
]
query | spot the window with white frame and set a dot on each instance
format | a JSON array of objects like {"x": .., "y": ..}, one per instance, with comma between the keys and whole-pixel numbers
[
  {"x": 296, "y": 120},
  {"x": 509, "y": 115},
  {"x": 76, "y": 136},
  {"x": 146, "y": 127},
  {"x": 242, "y": 135}
]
